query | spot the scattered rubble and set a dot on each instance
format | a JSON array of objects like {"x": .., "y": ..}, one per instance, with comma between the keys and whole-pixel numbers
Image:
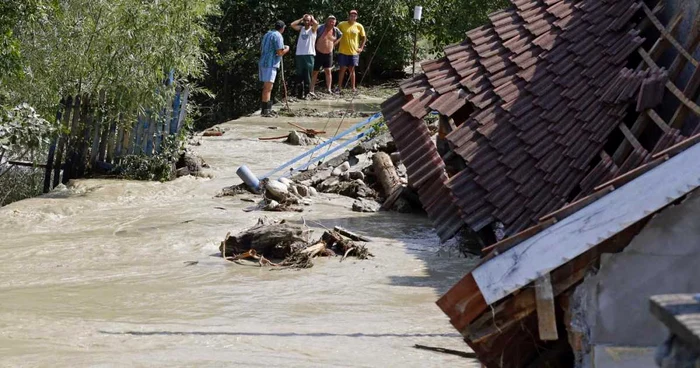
[
  {"x": 190, "y": 164},
  {"x": 296, "y": 138},
  {"x": 281, "y": 244},
  {"x": 316, "y": 113},
  {"x": 365, "y": 205},
  {"x": 213, "y": 132}
]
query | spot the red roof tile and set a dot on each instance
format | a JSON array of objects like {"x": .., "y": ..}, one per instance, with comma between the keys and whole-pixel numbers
[{"x": 539, "y": 89}]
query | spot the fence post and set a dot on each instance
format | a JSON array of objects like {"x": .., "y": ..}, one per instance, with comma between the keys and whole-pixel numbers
[
  {"x": 52, "y": 151},
  {"x": 71, "y": 142},
  {"x": 67, "y": 106}
]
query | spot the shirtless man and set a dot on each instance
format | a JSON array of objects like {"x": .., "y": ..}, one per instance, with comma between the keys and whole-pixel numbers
[{"x": 328, "y": 37}]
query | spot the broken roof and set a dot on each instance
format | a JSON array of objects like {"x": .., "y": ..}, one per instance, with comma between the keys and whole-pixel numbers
[
  {"x": 535, "y": 95},
  {"x": 647, "y": 167}
]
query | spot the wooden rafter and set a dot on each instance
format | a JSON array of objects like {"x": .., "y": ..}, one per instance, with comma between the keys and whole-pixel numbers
[
  {"x": 658, "y": 120},
  {"x": 659, "y": 47},
  {"x": 665, "y": 34}
]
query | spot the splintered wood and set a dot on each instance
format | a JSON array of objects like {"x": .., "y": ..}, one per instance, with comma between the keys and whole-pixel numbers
[{"x": 289, "y": 246}]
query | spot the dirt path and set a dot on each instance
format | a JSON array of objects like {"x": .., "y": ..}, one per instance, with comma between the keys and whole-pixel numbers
[{"x": 98, "y": 275}]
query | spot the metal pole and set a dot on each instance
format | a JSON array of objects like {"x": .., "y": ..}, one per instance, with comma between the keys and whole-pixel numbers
[{"x": 415, "y": 45}]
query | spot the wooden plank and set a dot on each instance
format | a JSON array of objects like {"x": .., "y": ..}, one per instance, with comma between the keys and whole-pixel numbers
[
  {"x": 681, "y": 314},
  {"x": 87, "y": 125},
  {"x": 111, "y": 142},
  {"x": 463, "y": 303},
  {"x": 25, "y": 163},
  {"x": 655, "y": 21},
  {"x": 133, "y": 139},
  {"x": 632, "y": 174},
  {"x": 514, "y": 240},
  {"x": 658, "y": 120},
  {"x": 660, "y": 46},
  {"x": 176, "y": 110},
  {"x": 662, "y": 43},
  {"x": 569, "y": 209},
  {"x": 139, "y": 141},
  {"x": 150, "y": 131},
  {"x": 690, "y": 91},
  {"x": 588, "y": 227},
  {"x": 52, "y": 151},
  {"x": 630, "y": 137},
  {"x": 516, "y": 307},
  {"x": 670, "y": 86},
  {"x": 183, "y": 109},
  {"x": 72, "y": 141},
  {"x": 678, "y": 147},
  {"x": 119, "y": 143},
  {"x": 67, "y": 107},
  {"x": 96, "y": 135},
  {"x": 546, "y": 315}
]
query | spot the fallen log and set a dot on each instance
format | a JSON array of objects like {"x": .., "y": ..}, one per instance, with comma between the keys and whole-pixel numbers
[
  {"x": 351, "y": 235},
  {"x": 386, "y": 173}
]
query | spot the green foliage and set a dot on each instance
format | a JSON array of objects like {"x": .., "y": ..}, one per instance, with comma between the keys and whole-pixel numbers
[
  {"x": 22, "y": 129},
  {"x": 378, "y": 128},
  {"x": 122, "y": 47},
  {"x": 446, "y": 21},
  {"x": 159, "y": 167}
]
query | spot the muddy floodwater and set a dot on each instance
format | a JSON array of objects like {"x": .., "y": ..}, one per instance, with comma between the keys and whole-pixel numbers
[{"x": 123, "y": 273}]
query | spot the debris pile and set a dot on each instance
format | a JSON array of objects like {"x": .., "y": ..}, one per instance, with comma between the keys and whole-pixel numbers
[
  {"x": 285, "y": 195},
  {"x": 282, "y": 244},
  {"x": 190, "y": 164},
  {"x": 371, "y": 172}
]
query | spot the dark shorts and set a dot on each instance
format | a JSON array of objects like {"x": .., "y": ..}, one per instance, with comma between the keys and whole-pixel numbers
[
  {"x": 348, "y": 60},
  {"x": 323, "y": 61}
]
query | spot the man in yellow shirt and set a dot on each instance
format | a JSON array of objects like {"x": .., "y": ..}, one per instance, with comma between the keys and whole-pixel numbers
[{"x": 351, "y": 45}]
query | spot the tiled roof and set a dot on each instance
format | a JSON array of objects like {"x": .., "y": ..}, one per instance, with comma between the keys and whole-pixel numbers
[{"x": 535, "y": 94}]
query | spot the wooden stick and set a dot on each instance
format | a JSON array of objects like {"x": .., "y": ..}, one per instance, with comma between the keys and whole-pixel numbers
[
  {"x": 272, "y": 138},
  {"x": 351, "y": 235},
  {"x": 462, "y": 354},
  {"x": 346, "y": 253}
]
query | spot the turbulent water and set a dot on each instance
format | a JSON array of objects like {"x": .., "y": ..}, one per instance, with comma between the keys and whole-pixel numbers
[{"x": 102, "y": 274}]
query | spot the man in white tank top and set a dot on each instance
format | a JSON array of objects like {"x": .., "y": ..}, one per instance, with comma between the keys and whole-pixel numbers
[{"x": 306, "y": 51}]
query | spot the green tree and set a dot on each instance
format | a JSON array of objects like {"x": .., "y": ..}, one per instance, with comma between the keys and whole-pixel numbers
[{"x": 122, "y": 47}]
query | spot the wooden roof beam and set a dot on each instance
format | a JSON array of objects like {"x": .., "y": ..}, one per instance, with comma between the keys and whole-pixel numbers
[
  {"x": 664, "y": 33},
  {"x": 659, "y": 47}
]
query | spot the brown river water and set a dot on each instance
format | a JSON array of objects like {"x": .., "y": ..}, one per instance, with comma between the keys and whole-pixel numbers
[{"x": 98, "y": 274}]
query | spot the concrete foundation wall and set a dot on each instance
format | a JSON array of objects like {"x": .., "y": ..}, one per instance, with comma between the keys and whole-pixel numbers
[{"x": 613, "y": 305}]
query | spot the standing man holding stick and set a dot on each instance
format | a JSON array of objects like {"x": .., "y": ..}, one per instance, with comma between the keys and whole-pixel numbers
[
  {"x": 272, "y": 48},
  {"x": 351, "y": 45},
  {"x": 306, "y": 52}
]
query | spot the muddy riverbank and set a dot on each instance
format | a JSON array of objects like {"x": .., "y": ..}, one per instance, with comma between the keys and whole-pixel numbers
[{"x": 123, "y": 273}]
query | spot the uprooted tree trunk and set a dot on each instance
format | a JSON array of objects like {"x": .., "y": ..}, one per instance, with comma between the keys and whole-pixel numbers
[
  {"x": 273, "y": 240},
  {"x": 386, "y": 173}
]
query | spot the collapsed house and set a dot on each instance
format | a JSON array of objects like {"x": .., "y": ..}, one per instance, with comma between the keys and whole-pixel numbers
[{"x": 570, "y": 125}]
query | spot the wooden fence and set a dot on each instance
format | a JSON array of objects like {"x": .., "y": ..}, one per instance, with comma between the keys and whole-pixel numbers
[{"x": 91, "y": 141}]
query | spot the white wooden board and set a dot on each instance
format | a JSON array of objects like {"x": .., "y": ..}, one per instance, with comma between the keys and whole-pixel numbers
[{"x": 588, "y": 227}]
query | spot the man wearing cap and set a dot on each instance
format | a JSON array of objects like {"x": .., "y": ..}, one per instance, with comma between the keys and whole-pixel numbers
[
  {"x": 272, "y": 48},
  {"x": 351, "y": 45},
  {"x": 328, "y": 37},
  {"x": 306, "y": 51}
]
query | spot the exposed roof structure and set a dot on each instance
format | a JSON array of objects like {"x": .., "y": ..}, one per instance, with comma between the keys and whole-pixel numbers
[
  {"x": 580, "y": 167},
  {"x": 534, "y": 98}
]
